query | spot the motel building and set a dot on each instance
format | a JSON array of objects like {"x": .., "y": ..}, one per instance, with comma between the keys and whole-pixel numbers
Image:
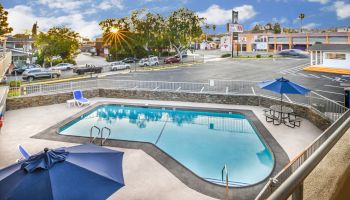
[
  {"x": 331, "y": 58},
  {"x": 269, "y": 42}
]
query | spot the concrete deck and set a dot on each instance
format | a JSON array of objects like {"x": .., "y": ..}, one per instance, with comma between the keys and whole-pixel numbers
[{"x": 153, "y": 181}]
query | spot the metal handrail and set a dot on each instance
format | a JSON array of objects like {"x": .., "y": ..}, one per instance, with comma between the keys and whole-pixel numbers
[
  {"x": 225, "y": 171},
  {"x": 109, "y": 134},
  {"x": 99, "y": 131},
  {"x": 296, "y": 179},
  {"x": 300, "y": 159}
]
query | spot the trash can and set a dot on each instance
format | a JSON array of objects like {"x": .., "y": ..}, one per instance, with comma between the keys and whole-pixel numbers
[{"x": 347, "y": 97}]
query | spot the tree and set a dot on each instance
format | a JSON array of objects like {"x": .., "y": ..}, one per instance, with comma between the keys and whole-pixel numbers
[
  {"x": 301, "y": 17},
  {"x": 214, "y": 27},
  {"x": 58, "y": 41},
  {"x": 149, "y": 29},
  {"x": 256, "y": 29},
  {"x": 277, "y": 28},
  {"x": 4, "y": 25},
  {"x": 35, "y": 29},
  {"x": 183, "y": 25},
  {"x": 117, "y": 35}
]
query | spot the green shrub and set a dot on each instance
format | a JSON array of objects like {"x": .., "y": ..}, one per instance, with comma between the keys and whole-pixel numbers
[
  {"x": 14, "y": 92},
  {"x": 270, "y": 56},
  {"x": 14, "y": 83},
  {"x": 226, "y": 55},
  {"x": 258, "y": 56}
]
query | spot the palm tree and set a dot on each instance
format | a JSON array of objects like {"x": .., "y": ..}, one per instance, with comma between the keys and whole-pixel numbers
[
  {"x": 214, "y": 27},
  {"x": 301, "y": 17}
]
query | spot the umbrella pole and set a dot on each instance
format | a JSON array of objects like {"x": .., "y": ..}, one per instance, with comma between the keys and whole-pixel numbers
[{"x": 281, "y": 101}]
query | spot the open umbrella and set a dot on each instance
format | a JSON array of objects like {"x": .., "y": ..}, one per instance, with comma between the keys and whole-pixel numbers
[
  {"x": 86, "y": 172},
  {"x": 283, "y": 86}
]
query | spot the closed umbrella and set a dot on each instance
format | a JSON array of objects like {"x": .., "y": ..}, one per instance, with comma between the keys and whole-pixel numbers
[
  {"x": 86, "y": 172},
  {"x": 283, "y": 86}
]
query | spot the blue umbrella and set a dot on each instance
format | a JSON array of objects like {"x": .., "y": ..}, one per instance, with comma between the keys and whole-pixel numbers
[
  {"x": 283, "y": 86},
  {"x": 81, "y": 172}
]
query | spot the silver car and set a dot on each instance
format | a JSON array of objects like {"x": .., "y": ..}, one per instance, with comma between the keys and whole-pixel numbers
[
  {"x": 63, "y": 67},
  {"x": 39, "y": 73},
  {"x": 119, "y": 65}
]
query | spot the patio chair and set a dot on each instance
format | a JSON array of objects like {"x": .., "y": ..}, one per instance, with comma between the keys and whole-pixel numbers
[
  {"x": 294, "y": 120},
  {"x": 79, "y": 98},
  {"x": 271, "y": 117}
]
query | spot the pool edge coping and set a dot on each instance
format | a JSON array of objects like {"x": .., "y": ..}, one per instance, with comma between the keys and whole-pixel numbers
[{"x": 192, "y": 181}]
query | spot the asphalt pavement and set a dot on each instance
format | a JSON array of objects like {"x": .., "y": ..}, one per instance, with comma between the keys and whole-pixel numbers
[{"x": 328, "y": 85}]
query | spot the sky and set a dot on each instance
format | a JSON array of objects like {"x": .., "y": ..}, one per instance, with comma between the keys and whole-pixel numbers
[{"x": 83, "y": 16}]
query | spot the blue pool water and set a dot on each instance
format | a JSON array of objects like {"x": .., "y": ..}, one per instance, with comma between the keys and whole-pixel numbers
[{"x": 202, "y": 141}]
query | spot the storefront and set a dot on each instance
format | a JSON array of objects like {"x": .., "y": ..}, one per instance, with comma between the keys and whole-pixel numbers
[{"x": 330, "y": 55}]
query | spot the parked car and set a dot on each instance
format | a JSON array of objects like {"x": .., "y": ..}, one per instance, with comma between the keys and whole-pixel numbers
[
  {"x": 149, "y": 61},
  {"x": 130, "y": 60},
  {"x": 38, "y": 73},
  {"x": 173, "y": 59},
  {"x": 87, "y": 68},
  {"x": 22, "y": 68},
  {"x": 294, "y": 53},
  {"x": 183, "y": 53},
  {"x": 63, "y": 66},
  {"x": 119, "y": 65}
]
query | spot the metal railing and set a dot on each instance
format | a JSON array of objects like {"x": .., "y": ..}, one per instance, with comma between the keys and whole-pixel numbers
[
  {"x": 290, "y": 180},
  {"x": 325, "y": 107},
  {"x": 303, "y": 157}
]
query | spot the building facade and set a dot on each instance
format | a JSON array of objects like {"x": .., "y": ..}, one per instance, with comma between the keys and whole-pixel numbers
[
  {"x": 330, "y": 56},
  {"x": 268, "y": 42}
]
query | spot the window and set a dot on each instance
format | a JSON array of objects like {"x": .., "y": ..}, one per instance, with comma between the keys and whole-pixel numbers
[{"x": 336, "y": 56}]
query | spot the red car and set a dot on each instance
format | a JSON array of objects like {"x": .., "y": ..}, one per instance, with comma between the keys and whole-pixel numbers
[{"x": 172, "y": 59}]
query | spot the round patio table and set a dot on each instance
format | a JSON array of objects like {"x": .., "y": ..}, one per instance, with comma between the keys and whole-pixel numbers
[{"x": 283, "y": 112}]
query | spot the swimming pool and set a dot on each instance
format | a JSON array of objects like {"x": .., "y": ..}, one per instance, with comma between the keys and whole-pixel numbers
[{"x": 201, "y": 141}]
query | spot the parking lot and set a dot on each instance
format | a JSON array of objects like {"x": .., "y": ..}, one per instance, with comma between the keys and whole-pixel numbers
[{"x": 327, "y": 85}]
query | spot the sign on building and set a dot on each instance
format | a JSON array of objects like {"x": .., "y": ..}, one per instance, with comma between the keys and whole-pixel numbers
[
  {"x": 225, "y": 43},
  {"x": 106, "y": 51}
]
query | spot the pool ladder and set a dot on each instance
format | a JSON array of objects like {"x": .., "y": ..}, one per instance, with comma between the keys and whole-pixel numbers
[
  {"x": 99, "y": 134},
  {"x": 224, "y": 173}
]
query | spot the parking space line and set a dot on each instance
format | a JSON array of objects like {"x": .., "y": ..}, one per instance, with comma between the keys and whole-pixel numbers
[
  {"x": 301, "y": 74},
  {"x": 314, "y": 76},
  {"x": 334, "y": 86},
  {"x": 329, "y": 92},
  {"x": 327, "y": 77}
]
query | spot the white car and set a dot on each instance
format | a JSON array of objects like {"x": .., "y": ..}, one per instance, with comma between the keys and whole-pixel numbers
[
  {"x": 149, "y": 61},
  {"x": 62, "y": 67},
  {"x": 119, "y": 66}
]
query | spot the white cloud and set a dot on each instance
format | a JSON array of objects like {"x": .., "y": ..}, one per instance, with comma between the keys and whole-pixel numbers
[
  {"x": 319, "y": 1},
  {"x": 342, "y": 9},
  {"x": 108, "y": 4},
  {"x": 219, "y": 16},
  {"x": 310, "y": 26},
  {"x": 281, "y": 20},
  {"x": 22, "y": 17},
  {"x": 67, "y": 5}
]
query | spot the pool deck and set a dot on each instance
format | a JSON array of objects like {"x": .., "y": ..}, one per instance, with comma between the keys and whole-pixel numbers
[{"x": 145, "y": 178}]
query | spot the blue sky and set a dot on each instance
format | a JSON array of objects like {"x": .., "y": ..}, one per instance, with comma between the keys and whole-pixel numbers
[{"x": 83, "y": 15}]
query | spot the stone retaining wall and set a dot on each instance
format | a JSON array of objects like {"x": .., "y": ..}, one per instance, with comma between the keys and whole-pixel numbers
[
  {"x": 14, "y": 103},
  {"x": 48, "y": 99}
]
